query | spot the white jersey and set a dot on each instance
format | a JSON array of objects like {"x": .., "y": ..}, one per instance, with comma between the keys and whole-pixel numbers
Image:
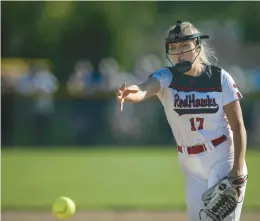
[{"x": 194, "y": 105}]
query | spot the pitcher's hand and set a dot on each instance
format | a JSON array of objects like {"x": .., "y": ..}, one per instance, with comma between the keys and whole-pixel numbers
[
  {"x": 123, "y": 92},
  {"x": 237, "y": 178}
]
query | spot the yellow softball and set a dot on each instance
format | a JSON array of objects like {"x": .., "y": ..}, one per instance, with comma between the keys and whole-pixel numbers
[{"x": 63, "y": 207}]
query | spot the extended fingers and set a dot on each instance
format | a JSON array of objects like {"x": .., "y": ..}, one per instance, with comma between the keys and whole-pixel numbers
[
  {"x": 122, "y": 88},
  {"x": 132, "y": 91},
  {"x": 122, "y": 93}
]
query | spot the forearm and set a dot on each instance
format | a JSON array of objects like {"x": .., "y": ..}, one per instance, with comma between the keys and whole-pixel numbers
[
  {"x": 240, "y": 140},
  {"x": 145, "y": 90}
]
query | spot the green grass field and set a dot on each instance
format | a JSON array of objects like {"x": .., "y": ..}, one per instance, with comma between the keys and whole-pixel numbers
[{"x": 102, "y": 178}]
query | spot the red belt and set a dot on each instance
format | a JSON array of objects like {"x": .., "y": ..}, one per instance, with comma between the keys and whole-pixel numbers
[{"x": 202, "y": 148}]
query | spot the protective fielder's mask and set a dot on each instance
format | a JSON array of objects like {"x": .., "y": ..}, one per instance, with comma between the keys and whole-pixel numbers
[{"x": 176, "y": 35}]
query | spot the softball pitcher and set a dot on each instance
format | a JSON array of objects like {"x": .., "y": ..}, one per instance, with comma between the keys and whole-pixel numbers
[{"x": 201, "y": 103}]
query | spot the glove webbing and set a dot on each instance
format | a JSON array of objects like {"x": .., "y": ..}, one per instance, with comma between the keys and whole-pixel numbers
[{"x": 224, "y": 207}]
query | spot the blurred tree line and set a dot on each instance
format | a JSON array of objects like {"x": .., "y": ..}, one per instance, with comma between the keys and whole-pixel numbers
[{"x": 66, "y": 32}]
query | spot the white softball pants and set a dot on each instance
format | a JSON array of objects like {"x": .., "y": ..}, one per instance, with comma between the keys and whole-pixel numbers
[{"x": 203, "y": 170}]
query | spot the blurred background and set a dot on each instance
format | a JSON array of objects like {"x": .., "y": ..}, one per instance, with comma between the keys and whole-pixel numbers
[{"x": 62, "y": 62}]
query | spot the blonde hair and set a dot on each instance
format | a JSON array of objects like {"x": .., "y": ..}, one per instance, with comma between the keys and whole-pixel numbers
[{"x": 207, "y": 54}]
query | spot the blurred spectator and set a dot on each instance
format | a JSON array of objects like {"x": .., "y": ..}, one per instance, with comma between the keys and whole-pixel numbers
[
  {"x": 80, "y": 81},
  {"x": 146, "y": 65},
  {"x": 119, "y": 125},
  {"x": 85, "y": 85},
  {"x": 109, "y": 68},
  {"x": 40, "y": 84}
]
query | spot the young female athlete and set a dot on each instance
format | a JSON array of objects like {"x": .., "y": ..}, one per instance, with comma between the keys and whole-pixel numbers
[{"x": 201, "y": 103}]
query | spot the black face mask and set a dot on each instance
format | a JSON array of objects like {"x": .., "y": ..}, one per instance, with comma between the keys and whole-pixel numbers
[{"x": 185, "y": 66}]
